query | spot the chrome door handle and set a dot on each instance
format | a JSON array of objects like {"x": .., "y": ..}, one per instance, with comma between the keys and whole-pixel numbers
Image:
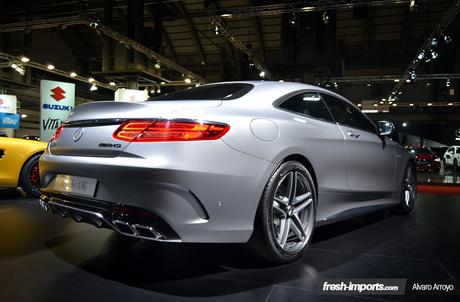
[{"x": 353, "y": 134}]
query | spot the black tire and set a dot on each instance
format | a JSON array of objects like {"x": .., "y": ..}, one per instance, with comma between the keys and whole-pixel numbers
[
  {"x": 408, "y": 186},
  {"x": 263, "y": 241},
  {"x": 27, "y": 181}
]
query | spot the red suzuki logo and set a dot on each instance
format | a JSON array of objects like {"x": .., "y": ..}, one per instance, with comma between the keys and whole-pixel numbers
[
  {"x": 1, "y": 102},
  {"x": 58, "y": 93}
]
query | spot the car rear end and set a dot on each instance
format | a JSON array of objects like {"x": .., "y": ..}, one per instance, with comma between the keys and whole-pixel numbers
[
  {"x": 427, "y": 160},
  {"x": 157, "y": 170}
]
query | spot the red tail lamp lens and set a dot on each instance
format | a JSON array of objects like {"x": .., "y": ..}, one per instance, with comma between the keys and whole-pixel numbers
[
  {"x": 57, "y": 133},
  {"x": 169, "y": 130}
]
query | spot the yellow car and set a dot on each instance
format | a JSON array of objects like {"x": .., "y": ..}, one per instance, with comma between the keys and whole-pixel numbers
[{"x": 19, "y": 164}]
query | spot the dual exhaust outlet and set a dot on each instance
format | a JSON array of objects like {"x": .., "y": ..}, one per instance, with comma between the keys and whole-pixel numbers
[{"x": 97, "y": 219}]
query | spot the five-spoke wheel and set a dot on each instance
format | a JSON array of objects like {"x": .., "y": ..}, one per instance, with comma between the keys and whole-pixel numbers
[{"x": 286, "y": 214}]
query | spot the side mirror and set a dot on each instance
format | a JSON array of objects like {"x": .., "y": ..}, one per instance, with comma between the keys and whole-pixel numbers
[{"x": 386, "y": 128}]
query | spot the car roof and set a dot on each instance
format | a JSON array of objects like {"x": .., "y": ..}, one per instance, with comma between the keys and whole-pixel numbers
[{"x": 275, "y": 89}]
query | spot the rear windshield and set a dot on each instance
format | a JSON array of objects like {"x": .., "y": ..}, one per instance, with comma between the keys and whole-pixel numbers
[
  {"x": 229, "y": 91},
  {"x": 423, "y": 151}
]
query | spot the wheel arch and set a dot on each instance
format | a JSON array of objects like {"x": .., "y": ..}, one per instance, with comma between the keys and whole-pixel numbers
[
  {"x": 25, "y": 162},
  {"x": 306, "y": 163}
]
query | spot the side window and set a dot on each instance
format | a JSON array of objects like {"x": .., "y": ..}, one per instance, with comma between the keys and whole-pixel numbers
[
  {"x": 348, "y": 115},
  {"x": 450, "y": 150},
  {"x": 308, "y": 103}
]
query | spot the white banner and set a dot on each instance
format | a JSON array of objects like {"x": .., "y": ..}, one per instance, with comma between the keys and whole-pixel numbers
[
  {"x": 131, "y": 95},
  {"x": 57, "y": 99},
  {"x": 8, "y": 104}
]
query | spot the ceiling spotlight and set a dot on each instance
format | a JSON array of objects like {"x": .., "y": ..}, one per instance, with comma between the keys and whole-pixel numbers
[
  {"x": 23, "y": 115},
  {"x": 404, "y": 124},
  {"x": 152, "y": 91},
  {"x": 428, "y": 84},
  {"x": 308, "y": 8},
  {"x": 394, "y": 104},
  {"x": 429, "y": 104},
  {"x": 281, "y": 81},
  {"x": 450, "y": 104},
  {"x": 157, "y": 65},
  {"x": 447, "y": 39},
  {"x": 325, "y": 17},
  {"x": 390, "y": 102},
  {"x": 91, "y": 80},
  {"x": 375, "y": 105},
  {"x": 226, "y": 15},
  {"x": 412, "y": 75},
  {"x": 216, "y": 30},
  {"x": 162, "y": 83},
  {"x": 14, "y": 65},
  {"x": 396, "y": 80},
  {"x": 359, "y": 105},
  {"x": 187, "y": 80},
  {"x": 427, "y": 59},
  {"x": 368, "y": 84},
  {"x": 158, "y": 90},
  {"x": 411, "y": 104},
  {"x": 292, "y": 20},
  {"x": 421, "y": 55},
  {"x": 93, "y": 87},
  {"x": 25, "y": 59},
  {"x": 434, "y": 42},
  {"x": 448, "y": 83},
  {"x": 73, "y": 74},
  {"x": 434, "y": 54},
  {"x": 407, "y": 80},
  {"x": 94, "y": 24},
  {"x": 262, "y": 74},
  {"x": 112, "y": 83},
  {"x": 50, "y": 66}
]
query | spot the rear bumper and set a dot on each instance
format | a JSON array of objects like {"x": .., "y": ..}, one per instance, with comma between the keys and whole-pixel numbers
[
  {"x": 432, "y": 165},
  {"x": 211, "y": 198}
]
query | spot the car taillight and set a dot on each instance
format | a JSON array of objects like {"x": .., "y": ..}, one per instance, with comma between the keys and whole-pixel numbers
[
  {"x": 169, "y": 130},
  {"x": 57, "y": 133}
]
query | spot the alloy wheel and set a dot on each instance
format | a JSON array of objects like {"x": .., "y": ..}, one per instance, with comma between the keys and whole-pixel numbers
[
  {"x": 293, "y": 213},
  {"x": 410, "y": 187}
]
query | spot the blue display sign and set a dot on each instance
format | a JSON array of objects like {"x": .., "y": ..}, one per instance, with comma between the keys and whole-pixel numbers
[{"x": 9, "y": 120}]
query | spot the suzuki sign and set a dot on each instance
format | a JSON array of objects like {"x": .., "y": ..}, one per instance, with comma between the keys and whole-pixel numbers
[
  {"x": 131, "y": 95},
  {"x": 57, "y": 99}
]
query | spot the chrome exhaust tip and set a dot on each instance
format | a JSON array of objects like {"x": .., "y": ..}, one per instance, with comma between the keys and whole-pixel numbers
[
  {"x": 147, "y": 231},
  {"x": 124, "y": 227},
  {"x": 44, "y": 203},
  {"x": 44, "y": 206}
]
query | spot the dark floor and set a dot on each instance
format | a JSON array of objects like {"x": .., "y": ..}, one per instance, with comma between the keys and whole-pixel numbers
[{"x": 46, "y": 258}]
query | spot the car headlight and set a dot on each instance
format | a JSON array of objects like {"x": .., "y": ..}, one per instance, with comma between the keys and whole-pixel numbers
[{"x": 437, "y": 159}]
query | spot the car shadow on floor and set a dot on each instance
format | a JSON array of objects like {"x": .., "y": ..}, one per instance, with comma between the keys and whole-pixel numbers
[{"x": 195, "y": 270}]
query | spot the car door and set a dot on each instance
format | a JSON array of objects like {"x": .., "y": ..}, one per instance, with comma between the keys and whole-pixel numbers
[
  {"x": 449, "y": 155},
  {"x": 323, "y": 143},
  {"x": 370, "y": 158}
]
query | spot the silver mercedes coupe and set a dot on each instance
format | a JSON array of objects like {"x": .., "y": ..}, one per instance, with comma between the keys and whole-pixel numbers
[{"x": 256, "y": 162}]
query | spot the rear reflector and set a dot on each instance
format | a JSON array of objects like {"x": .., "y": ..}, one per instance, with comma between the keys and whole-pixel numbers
[
  {"x": 169, "y": 131},
  {"x": 57, "y": 133}
]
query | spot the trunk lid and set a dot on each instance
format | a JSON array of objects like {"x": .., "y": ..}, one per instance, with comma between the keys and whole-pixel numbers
[{"x": 90, "y": 126}]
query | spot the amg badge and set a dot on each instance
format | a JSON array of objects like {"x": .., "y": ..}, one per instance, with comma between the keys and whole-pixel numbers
[{"x": 109, "y": 145}]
